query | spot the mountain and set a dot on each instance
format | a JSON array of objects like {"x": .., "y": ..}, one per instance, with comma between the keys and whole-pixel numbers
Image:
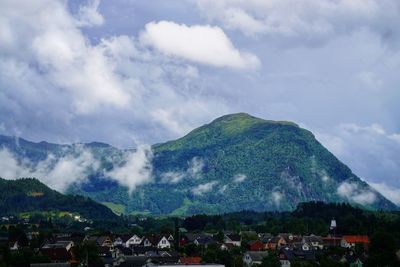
[
  {"x": 236, "y": 162},
  {"x": 30, "y": 195}
]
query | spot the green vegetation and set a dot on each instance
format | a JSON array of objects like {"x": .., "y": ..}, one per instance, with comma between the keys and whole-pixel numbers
[
  {"x": 16, "y": 198},
  {"x": 116, "y": 208},
  {"x": 280, "y": 165}
]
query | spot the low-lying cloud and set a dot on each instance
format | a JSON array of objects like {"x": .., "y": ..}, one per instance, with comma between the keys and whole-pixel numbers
[
  {"x": 194, "y": 170},
  {"x": 355, "y": 193},
  {"x": 391, "y": 193},
  {"x": 204, "y": 188},
  {"x": 238, "y": 178},
  {"x": 135, "y": 170},
  {"x": 57, "y": 173}
]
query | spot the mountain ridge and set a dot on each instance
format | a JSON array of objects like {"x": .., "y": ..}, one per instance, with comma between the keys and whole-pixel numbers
[{"x": 233, "y": 163}]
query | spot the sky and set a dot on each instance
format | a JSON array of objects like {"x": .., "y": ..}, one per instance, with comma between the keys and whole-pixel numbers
[{"x": 130, "y": 72}]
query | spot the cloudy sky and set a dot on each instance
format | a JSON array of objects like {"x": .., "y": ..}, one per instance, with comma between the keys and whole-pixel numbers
[{"x": 130, "y": 72}]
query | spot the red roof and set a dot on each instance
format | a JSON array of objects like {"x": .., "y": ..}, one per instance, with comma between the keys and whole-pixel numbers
[
  {"x": 356, "y": 238},
  {"x": 190, "y": 260}
]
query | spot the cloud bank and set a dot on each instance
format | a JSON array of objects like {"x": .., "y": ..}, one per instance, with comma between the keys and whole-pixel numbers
[
  {"x": 354, "y": 193},
  {"x": 136, "y": 168},
  {"x": 57, "y": 173}
]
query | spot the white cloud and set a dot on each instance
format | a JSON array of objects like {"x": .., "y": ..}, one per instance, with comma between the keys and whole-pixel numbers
[
  {"x": 194, "y": 170},
  {"x": 355, "y": 193},
  {"x": 136, "y": 169},
  {"x": 199, "y": 43},
  {"x": 204, "y": 188},
  {"x": 57, "y": 173},
  {"x": 370, "y": 151},
  {"x": 55, "y": 49},
  {"x": 222, "y": 189},
  {"x": 277, "y": 197},
  {"x": 238, "y": 178},
  {"x": 391, "y": 193},
  {"x": 196, "y": 166},
  {"x": 172, "y": 177},
  {"x": 306, "y": 19},
  {"x": 88, "y": 14},
  {"x": 56, "y": 79}
]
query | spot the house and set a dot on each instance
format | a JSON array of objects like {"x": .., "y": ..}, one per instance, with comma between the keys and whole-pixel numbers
[
  {"x": 101, "y": 241},
  {"x": 162, "y": 257},
  {"x": 160, "y": 242},
  {"x": 350, "y": 241},
  {"x": 233, "y": 239},
  {"x": 120, "y": 240},
  {"x": 275, "y": 243},
  {"x": 190, "y": 260},
  {"x": 204, "y": 240},
  {"x": 196, "y": 238},
  {"x": 59, "y": 251},
  {"x": 226, "y": 246},
  {"x": 285, "y": 256},
  {"x": 127, "y": 240},
  {"x": 171, "y": 238},
  {"x": 251, "y": 258},
  {"x": 163, "y": 243},
  {"x": 314, "y": 241},
  {"x": 255, "y": 245},
  {"x": 290, "y": 238}
]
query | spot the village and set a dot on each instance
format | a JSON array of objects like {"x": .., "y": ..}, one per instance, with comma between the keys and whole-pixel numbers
[{"x": 181, "y": 247}]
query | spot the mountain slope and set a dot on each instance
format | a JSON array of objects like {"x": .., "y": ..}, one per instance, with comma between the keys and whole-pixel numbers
[
  {"x": 234, "y": 163},
  {"x": 30, "y": 195}
]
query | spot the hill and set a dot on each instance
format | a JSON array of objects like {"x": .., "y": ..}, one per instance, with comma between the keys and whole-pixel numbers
[
  {"x": 30, "y": 195},
  {"x": 236, "y": 162}
]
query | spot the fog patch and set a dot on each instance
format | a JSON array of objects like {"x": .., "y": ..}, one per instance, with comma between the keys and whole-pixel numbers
[
  {"x": 238, "y": 178},
  {"x": 172, "y": 177},
  {"x": 319, "y": 172},
  {"x": 355, "y": 193},
  {"x": 203, "y": 188},
  {"x": 222, "y": 189},
  {"x": 194, "y": 170},
  {"x": 391, "y": 193},
  {"x": 136, "y": 168},
  {"x": 196, "y": 166},
  {"x": 57, "y": 173},
  {"x": 277, "y": 198}
]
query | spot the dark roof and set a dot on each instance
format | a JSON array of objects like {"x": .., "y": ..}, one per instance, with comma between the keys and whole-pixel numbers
[
  {"x": 190, "y": 260},
  {"x": 124, "y": 237},
  {"x": 191, "y": 237},
  {"x": 257, "y": 255},
  {"x": 57, "y": 254},
  {"x": 234, "y": 237},
  {"x": 254, "y": 242},
  {"x": 134, "y": 261},
  {"x": 313, "y": 238},
  {"x": 205, "y": 240}
]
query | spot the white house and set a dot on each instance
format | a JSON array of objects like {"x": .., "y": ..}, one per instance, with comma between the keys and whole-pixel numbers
[
  {"x": 164, "y": 243},
  {"x": 233, "y": 239},
  {"x": 135, "y": 240}
]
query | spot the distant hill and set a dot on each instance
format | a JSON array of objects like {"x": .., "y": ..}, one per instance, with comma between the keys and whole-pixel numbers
[
  {"x": 30, "y": 195},
  {"x": 236, "y": 162}
]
